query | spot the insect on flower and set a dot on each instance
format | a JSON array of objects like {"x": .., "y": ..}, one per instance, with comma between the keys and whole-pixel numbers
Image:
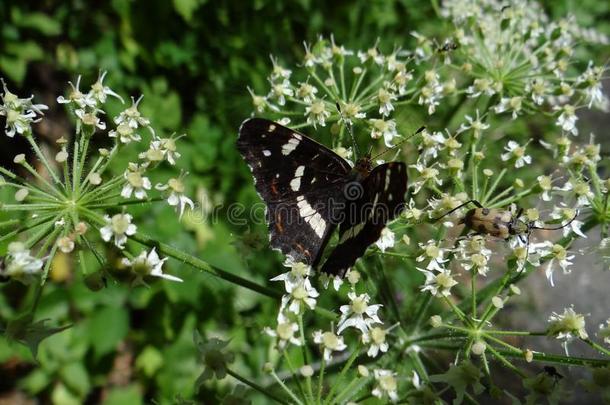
[
  {"x": 309, "y": 190},
  {"x": 500, "y": 223}
]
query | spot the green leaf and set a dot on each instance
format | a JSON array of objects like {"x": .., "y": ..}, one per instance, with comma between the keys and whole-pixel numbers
[
  {"x": 75, "y": 376},
  {"x": 37, "y": 21},
  {"x": 62, "y": 396},
  {"x": 106, "y": 329},
  {"x": 186, "y": 8},
  {"x": 27, "y": 51},
  {"x": 13, "y": 68},
  {"x": 124, "y": 395},
  {"x": 149, "y": 361}
]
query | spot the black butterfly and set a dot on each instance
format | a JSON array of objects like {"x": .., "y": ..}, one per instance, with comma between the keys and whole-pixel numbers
[{"x": 309, "y": 190}]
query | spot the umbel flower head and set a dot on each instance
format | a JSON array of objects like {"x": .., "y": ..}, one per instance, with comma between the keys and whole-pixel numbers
[{"x": 82, "y": 195}]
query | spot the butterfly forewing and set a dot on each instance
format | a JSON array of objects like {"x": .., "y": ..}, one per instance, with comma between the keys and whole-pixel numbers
[
  {"x": 382, "y": 199},
  {"x": 300, "y": 180}
]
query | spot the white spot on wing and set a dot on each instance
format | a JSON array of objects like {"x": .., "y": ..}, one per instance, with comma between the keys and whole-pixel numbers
[
  {"x": 295, "y": 184},
  {"x": 315, "y": 220},
  {"x": 271, "y": 128},
  {"x": 299, "y": 171},
  {"x": 267, "y": 152},
  {"x": 289, "y": 146},
  {"x": 387, "y": 180}
]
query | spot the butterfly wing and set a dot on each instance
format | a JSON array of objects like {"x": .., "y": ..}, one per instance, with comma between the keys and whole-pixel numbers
[
  {"x": 382, "y": 199},
  {"x": 300, "y": 181}
]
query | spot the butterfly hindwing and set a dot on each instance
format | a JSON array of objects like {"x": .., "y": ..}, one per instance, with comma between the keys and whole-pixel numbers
[
  {"x": 382, "y": 200},
  {"x": 300, "y": 181}
]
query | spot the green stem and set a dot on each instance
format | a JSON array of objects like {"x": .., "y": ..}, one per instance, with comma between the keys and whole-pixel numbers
[
  {"x": 596, "y": 346},
  {"x": 255, "y": 386},
  {"x": 507, "y": 363},
  {"x": 321, "y": 379},
  {"x": 288, "y": 390},
  {"x": 346, "y": 367},
  {"x": 42, "y": 158}
]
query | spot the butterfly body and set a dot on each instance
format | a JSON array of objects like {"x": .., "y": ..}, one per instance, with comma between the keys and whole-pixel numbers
[{"x": 309, "y": 191}]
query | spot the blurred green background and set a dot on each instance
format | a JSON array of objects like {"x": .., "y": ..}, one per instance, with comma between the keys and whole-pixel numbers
[{"x": 192, "y": 59}]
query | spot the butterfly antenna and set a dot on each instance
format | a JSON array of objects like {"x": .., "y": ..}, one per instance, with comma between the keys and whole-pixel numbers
[
  {"x": 399, "y": 143},
  {"x": 348, "y": 125}
]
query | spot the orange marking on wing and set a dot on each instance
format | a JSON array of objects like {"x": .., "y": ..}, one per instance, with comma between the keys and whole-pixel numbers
[
  {"x": 302, "y": 249},
  {"x": 274, "y": 187},
  {"x": 278, "y": 222}
]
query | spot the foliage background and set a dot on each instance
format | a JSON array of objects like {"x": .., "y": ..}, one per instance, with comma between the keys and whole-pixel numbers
[{"x": 193, "y": 60}]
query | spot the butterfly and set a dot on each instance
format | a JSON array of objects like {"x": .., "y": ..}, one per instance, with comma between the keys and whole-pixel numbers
[{"x": 309, "y": 191}]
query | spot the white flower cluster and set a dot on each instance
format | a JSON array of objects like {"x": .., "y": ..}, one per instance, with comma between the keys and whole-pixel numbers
[{"x": 80, "y": 189}]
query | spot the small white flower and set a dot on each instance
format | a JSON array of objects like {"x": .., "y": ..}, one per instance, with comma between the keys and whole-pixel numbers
[
  {"x": 433, "y": 254},
  {"x": 298, "y": 272},
  {"x": 306, "y": 92},
  {"x": 427, "y": 174},
  {"x": 149, "y": 264},
  {"x": 386, "y": 240},
  {"x": 475, "y": 124},
  {"x": 546, "y": 184},
  {"x": 133, "y": 118},
  {"x": 568, "y": 325},
  {"x": 386, "y": 385},
  {"x": 285, "y": 333},
  {"x": 279, "y": 72},
  {"x": 481, "y": 86},
  {"x": 100, "y": 92},
  {"x": 513, "y": 104},
  {"x": 431, "y": 144},
  {"x": 300, "y": 296},
  {"x": 259, "y": 102},
  {"x": 76, "y": 97},
  {"x": 376, "y": 339},
  {"x": 579, "y": 190},
  {"x": 371, "y": 54},
  {"x": 438, "y": 283},
  {"x": 330, "y": 342},
  {"x": 358, "y": 314},
  {"x": 517, "y": 152},
  {"x": 280, "y": 91},
  {"x": 316, "y": 113},
  {"x": 559, "y": 256},
  {"x": 89, "y": 118},
  {"x": 20, "y": 265},
  {"x": 176, "y": 196},
  {"x": 567, "y": 119},
  {"x": 119, "y": 227},
  {"x": 384, "y": 128},
  {"x": 20, "y": 113},
  {"x": 385, "y": 101},
  {"x": 566, "y": 214},
  {"x": 136, "y": 184}
]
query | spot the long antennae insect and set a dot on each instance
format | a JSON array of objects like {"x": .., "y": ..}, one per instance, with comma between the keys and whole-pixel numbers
[
  {"x": 557, "y": 227},
  {"x": 475, "y": 202},
  {"x": 399, "y": 143},
  {"x": 348, "y": 125}
]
